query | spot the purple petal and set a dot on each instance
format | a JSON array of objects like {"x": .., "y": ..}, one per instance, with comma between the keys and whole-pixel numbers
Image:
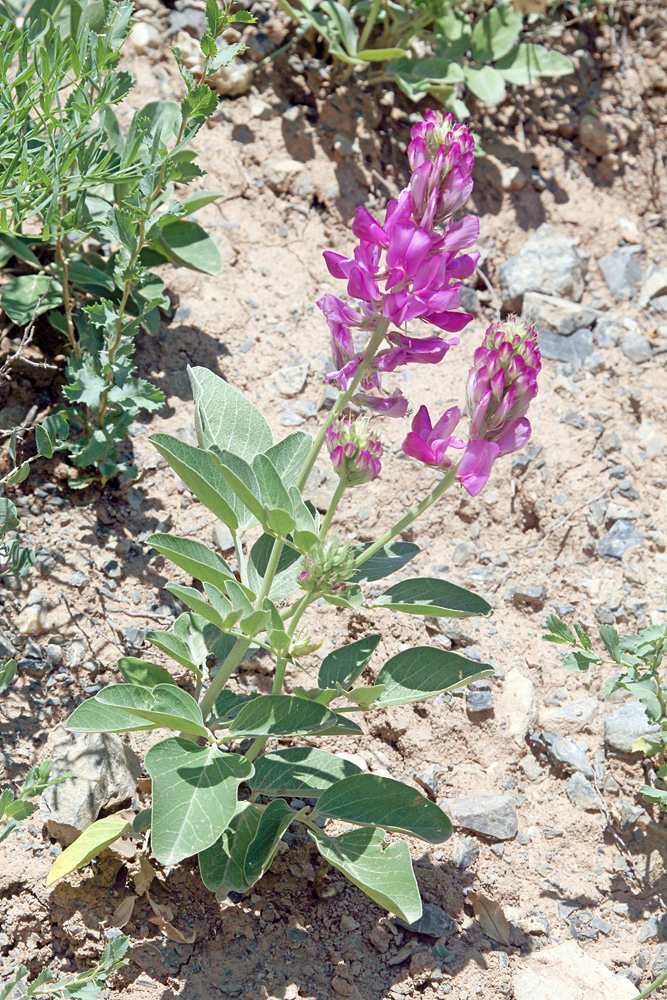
[
  {"x": 416, "y": 447},
  {"x": 452, "y": 322},
  {"x": 461, "y": 235},
  {"x": 421, "y": 423},
  {"x": 515, "y": 437},
  {"x": 365, "y": 227},
  {"x": 448, "y": 421},
  {"x": 334, "y": 262},
  {"x": 475, "y": 465}
]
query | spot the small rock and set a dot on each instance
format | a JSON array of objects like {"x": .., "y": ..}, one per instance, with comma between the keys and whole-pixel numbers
[
  {"x": 290, "y": 379},
  {"x": 105, "y": 772},
  {"x": 517, "y": 705},
  {"x": 654, "y": 927},
  {"x": 597, "y": 136},
  {"x": 619, "y": 512},
  {"x": 493, "y": 816},
  {"x": 321, "y": 486},
  {"x": 144, "y": 36},
  {"x": 654, "y": 286},
  {"x": 636, "y": 348},
  {"x": 608, "y": 332},
  {"x": 564, "y": 752},
  {"x": 622, "y": 272},
  {"x": 532, "y": 769},
  {"x": 574, "y": 349},
  {"x": 513, "y": 179},
  {"x": 283, "y": 175},
  {"x": 479, "y": 700},
  {"x": 582, "y": 794},
  {"x": 529, "y": 595},
  {"x": 568, "y": 719},
  {"x": 626, "y": 725},
  {"x": 622, "y": 536},
  {"x": 548, "y": 312},
  {"x": 78, "y": 579},
  {"x": 566, "y": 973},
  {"x": 296, "y": 411},
  {"x": 652, "y": 441},
  {"x": 659, "y": 964},
  {"x": 548, "y": 262},
  {"x": 465, "y": 851},
  {"x": 463, "y": 553},
  {"x": 233, "y": 80},
  {"x": 434, "y": 922},
  {"x": 536, "y": 924},
  {"x": 33, "y": 618},
  {"x": 222, "y": 536}
]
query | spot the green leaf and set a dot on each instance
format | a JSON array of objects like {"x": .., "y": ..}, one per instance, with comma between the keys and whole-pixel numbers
[
  {"x": 214, "y": 18},
  {"x": 496, "y": 33},
  {"x": 430, "y": 596},
  {"x": 300, "y": 771},
  {"x": 580, "y": 660},
  {"x": 194, "y": 557},
  {"x": 187, "y": 244},
  {"x": 225, "y": 418},
  {"x": 288, "y": 456},
  {"x": 18, "y": 475},
  {"x": 43, "y": 442},
  {"x": 323, "y": 696},
  {"x": 222, "y": 865},
  {"x": 560, "y": 632},
  {"x": 92, "y": 716},
  {"x": 281, "y": 715},
  {"x": 164, "y": 705},
  {"x": 275, "y": 819},
  {"x": 371, "y": 800},
  {"x": 364, "y": 696},
  {"x": 423, "y": 672},
  {"x": 199, "y": 104},
  {"x": 192, "y": 641},
  {"x": 342, "y": 666},
  {"x": 583, "y": 636},
  {"x": 19, "y": 247},
  {"x": 8, "y": 515},
  {"x": 89, "y": 279},
  {"x": 164, "y": 118},
  {"x": 611, "y": 641},
  {"x": 453, "y": 34},
  {"x": 527, "y": 63},
  {"x": 242, "y": 482},
  {"x": 381, "y": 55},
  {"x": 342, "y": 23},
  {"x": 201, "y": 474},
  {"x": 383, "y": 871},
  {"x": 194, "y": 796},
  {"x": 29, "y": 295},
  {"x": 198, "y": 199},
  {"x": 385, "y": 562},
  {"x": 228, "y": 704},
  {"x": 289, "y": 565},
  {"x": 92, "y": 841},
  {"x": 143, "y": 673},
  {"x": 197, "y": 602},
  {"x": 486, "y": 83},
  {"x": 8, "y": 672}
]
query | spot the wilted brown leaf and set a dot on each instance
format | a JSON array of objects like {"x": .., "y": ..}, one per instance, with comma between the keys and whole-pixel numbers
[
  {"x": 123, "y": 912},
  {"x": 491, "y": 918},
  {"x": 172, "y": 932},
  {"x": 144, "y": 877}
]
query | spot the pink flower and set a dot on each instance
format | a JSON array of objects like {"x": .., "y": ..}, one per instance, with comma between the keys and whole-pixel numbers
[
  {"x": 428, "y": 444},
  {"x": 395, "y": 405},
  {"x": 355, "y": 451}
]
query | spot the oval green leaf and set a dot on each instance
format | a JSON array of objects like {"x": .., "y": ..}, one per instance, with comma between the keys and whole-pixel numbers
[
  {"x": 194, "y": 557},
  {"x": 423, "y": 672},
  {"x": 281, "y": 715},
  {"x": 92, "y": 716},
  {"x": 164, "y": 705},
  {"x": 342, "y": 666},
  {"x": 92, "y": 841},
  {"x": 300, "y": 771},
  {"x": 430, "y": 596}
]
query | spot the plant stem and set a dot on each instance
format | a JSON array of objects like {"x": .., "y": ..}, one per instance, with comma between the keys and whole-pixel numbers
[
  {"x": 370, "y": 23},
  {"x": 240, "y": 561},
  {"x": 411, "y": 516},
  {"x": 654, "y": 985},
  {"x": 331, "y": 509},
  {"x": 226, "y": 670},
  {"x": 342, "y": 401}
]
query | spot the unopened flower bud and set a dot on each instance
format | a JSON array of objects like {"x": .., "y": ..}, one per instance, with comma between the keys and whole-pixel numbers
[
  {"x": 327, "y": 568},
  {"x": 303, "y": 645},
  {"x": 355, "y": 450}
]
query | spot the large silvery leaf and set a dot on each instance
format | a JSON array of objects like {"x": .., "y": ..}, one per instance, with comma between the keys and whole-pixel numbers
[
  {"x": 299, "y": 771},
  {"x": 274, "y": 821},
  {"x": 164, "y": 705},
  {"x": 423, "y": 672},
  {"x": 383, "y": 871},
  {"x": 194, "y": 796},
  {"x": 222, "y": 865},
  {"x": 92, "y": 716},
  {"x": 242, "y": 482},
  {"x": 201, "y": 474},
  {"x": 496, "y": 33},
  {"x": 388, "y": 560},
  {"x": 288, "y": 456},
  {"x": 430, "y": 596},
  {"x": 194, "y": 557},
  {"x": 224, "y": 417},
  {"x": 371, "y": 800},
  {"x": 343, "y": 666},
  {"x": 281, "y": 715},
  {"x": 289, "y": 565},
  {"x": 148, "y": 675}
]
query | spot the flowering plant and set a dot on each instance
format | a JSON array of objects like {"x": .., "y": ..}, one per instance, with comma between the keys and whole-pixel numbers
[{"x": 218, "y": 790}]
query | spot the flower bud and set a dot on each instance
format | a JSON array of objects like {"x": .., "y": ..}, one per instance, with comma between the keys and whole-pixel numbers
[
  {"x": 355, "y": 450},
  {"x": 302, "y": 645},
  {"x": 327, "y": 568}
]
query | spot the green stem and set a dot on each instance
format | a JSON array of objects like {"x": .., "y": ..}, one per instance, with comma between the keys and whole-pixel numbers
[
  {"x": 331, "y": 509},
  {"x": 240, "y": 561},
  {"x": 224, "y": 673},
  {"x": 343, "y": 399},
  {"x": 370, "y": 23},
  {"x": 654, "y": 985},
  {"x": 406, "y": 521}
]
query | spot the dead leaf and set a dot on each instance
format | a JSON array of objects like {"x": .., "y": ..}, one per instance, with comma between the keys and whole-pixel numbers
[
  {"x": 123, "y": 912},
  {"x": 144, "y": 785},
  {"x": 161, "y": 910},
  {"x": 144, "y": 877},
  {"x": 125, "y": 848},
  {"x": 491, "y": 918},
  {"x": 172, "y": 932}
]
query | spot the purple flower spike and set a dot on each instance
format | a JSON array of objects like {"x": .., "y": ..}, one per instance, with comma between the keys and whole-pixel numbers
[
  {"x": 355, "y": 451},
  {"x": 428, "y": 444}
]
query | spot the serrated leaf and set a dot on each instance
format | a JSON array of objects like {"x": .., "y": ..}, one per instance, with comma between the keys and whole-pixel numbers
[
  {"x": 281, "y": 715},
  {"x": 423, "y": 672},
  {"x": 92, "y": 842},
  {"x": 164, "y": 705},
  {"x": 580, "y": 660},
  {"x": 561, "y": 632},
  {"x": 194, "y": 796},
  {"x": 430, "y": 596},
  {"x": 383, "y": 871},
  {"x": 342, "y": 666},
  {"x": 300, "y": 771},
  {"x": 199, "y": 104},
  {"x": 371, "y": 800}
]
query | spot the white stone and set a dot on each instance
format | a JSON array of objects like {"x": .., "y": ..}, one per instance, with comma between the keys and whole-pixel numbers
[
  {"x": 517, "y": 704},
  {"x": 233, "y": 80},
  {"x": 143, "y": 37},
  {"x": 566, "y": 973},
  {"x": 652, "y": 441},
  {"x": 567, "y": 720}
]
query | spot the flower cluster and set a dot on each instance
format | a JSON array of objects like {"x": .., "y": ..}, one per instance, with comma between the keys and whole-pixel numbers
[
  {"x": 407, "y": 269},
  {"x": 501, "y": 385},
  {"x": 328, "y": 567},
  {"x": 355, "y": 451}
]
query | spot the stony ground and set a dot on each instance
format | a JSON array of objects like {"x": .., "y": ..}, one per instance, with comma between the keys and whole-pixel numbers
[{"x": 534, "y": 764}]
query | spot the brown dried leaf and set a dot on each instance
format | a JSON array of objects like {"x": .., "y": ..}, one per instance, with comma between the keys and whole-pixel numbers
[
  {"x": 144, "y": 877},
  {"x": 144, "y": 785},
  {"x": 491, "y": 918},
  {"x": 123, "y": 912},
  {"x": 125, "y": 848},
  {"x": 163, "y": 911},
  {"x": 172, "y": 932}
]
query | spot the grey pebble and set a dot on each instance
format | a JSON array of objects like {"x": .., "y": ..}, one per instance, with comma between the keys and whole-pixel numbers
[
  {"x": 493, "y": 816},
  {"x": 582, "y": 794},
  {"x": 434, "y": 922},
  {"x": 622, "y": 536},
  {"x": 626, "y": 725}
]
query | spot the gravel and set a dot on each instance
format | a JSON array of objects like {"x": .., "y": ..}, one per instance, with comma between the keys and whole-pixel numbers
[
  {"x": 626, "y": 725},
  {"x": 493, "y": 816}
]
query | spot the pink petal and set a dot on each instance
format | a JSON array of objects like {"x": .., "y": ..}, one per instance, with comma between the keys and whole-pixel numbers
[
  {"x": 421, "y": 422},
  {"x": 416, "y": 447},
  {"x": 475, "y": 465},
  {"x": 515, "y": 437}
]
